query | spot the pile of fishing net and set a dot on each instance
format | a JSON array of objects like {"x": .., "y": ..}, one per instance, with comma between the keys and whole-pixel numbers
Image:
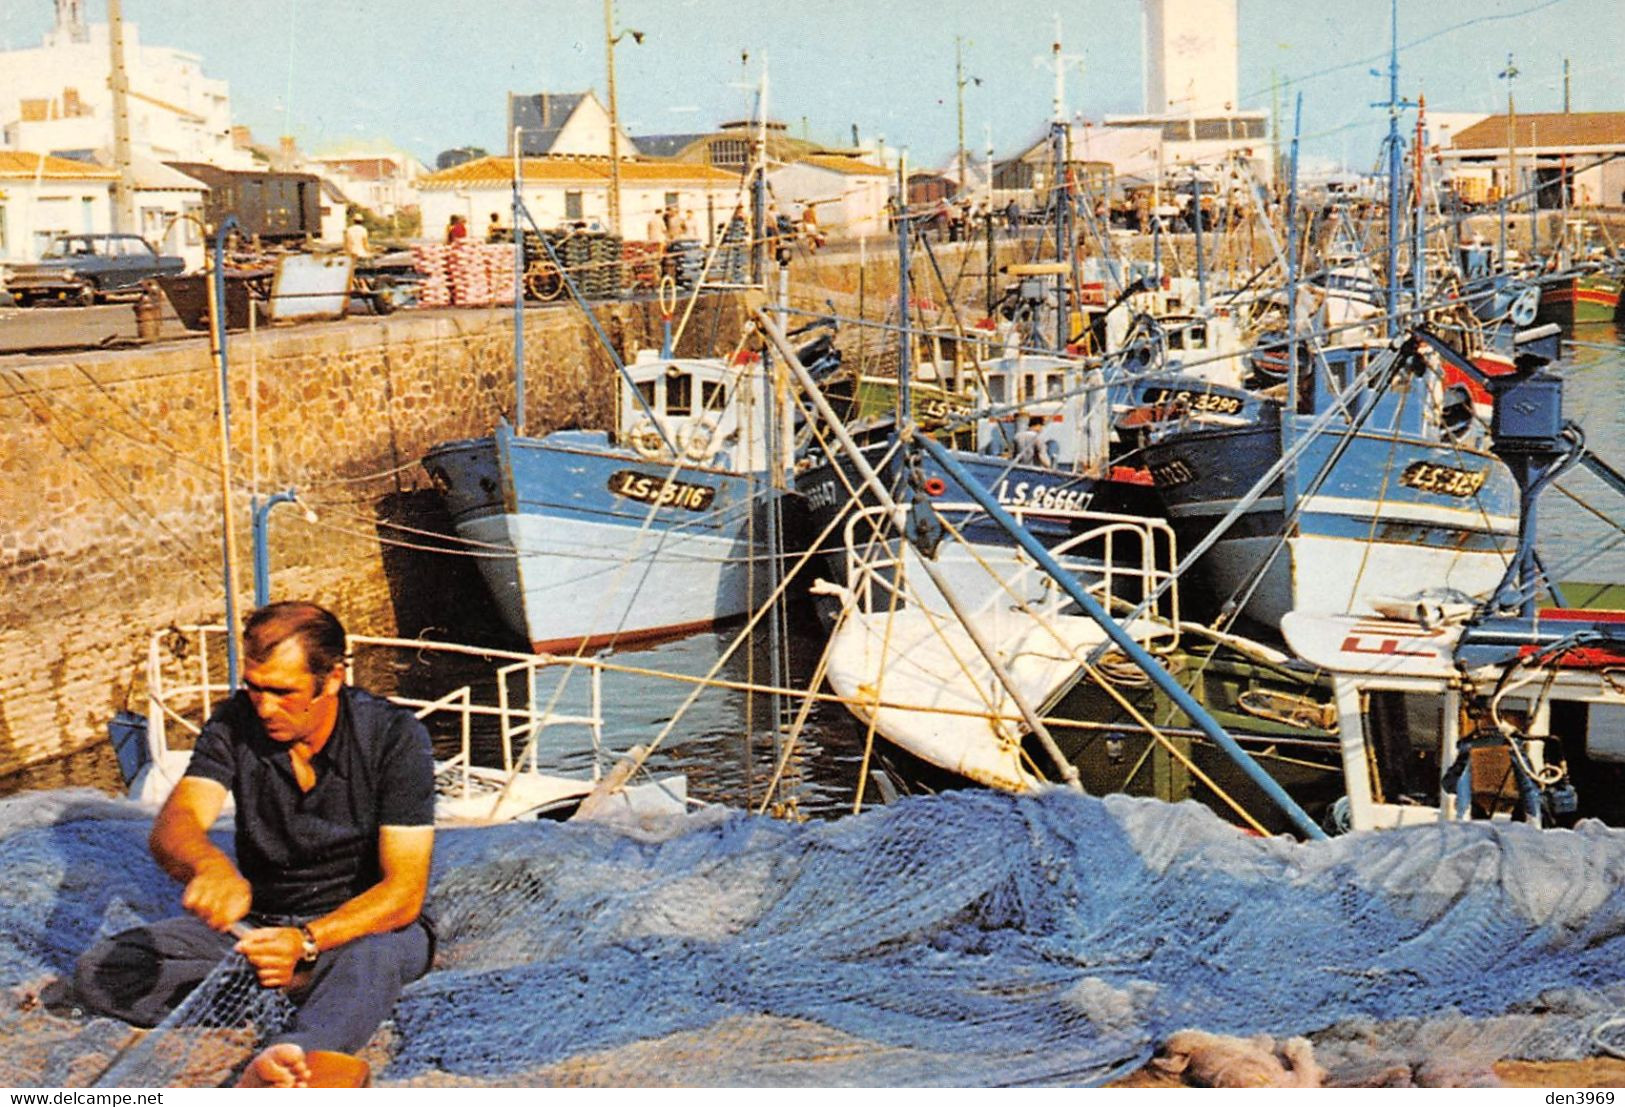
[{"x": 966, "y": 939}]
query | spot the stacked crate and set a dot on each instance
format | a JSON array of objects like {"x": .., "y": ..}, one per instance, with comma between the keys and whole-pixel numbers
[{"x": 434, "y": 290}]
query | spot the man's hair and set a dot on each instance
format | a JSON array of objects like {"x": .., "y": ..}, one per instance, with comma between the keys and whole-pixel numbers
[
  {"x": 1036, "y": 421},
  {"x": 317, "y": 629}
]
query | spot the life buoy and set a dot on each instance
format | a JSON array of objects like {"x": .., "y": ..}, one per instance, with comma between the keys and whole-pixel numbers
[
  {"x": 646, "y": 439},
  {"x": 697, "y": 439},
  {"x": 1524, "y": 308}
]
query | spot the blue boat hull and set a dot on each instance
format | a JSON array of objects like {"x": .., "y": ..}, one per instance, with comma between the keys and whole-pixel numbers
[
  {"x": 584, "y": 545},
  {"x": 1396, "y": 514}
]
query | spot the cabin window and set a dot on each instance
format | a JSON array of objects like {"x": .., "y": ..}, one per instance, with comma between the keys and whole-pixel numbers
[
  {"x": 671, "y": 199},
  {"x": 1055, "y": 385},
  {"x": 1198, "y": 336},
  {"x": 713, "y": 395},
  {"x": 1029, "y": 388},
  {"x": 646, "y": 389},
  {"x": 572, "y": 205},
  {"x": 1404, "y": 731},
  {"x": 995, "y": 390},
  {"x": 1176, "y": 340},
  {"x": 679, "y": 394}
]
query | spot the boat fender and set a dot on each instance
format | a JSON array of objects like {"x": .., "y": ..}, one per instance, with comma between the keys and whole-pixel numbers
[
  {"x": 1523, "y": 309},
  {"x": 697, "y": 439},
  {"x": 646, "y": 440}
]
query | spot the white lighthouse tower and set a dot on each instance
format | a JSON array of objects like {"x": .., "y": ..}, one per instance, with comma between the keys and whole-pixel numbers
[{"x": 1190, "y": 56}]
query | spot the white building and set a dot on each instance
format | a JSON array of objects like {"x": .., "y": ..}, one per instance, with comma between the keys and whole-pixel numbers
[
  {"x": 56, "y": 97},
  {"x": 42, "y": 197},
  {"x": 551, "y": 124},
  {"x": 848, "y": 195},
  {"x": 562, "y": 190},
  {"x": 383, "y": 180}
]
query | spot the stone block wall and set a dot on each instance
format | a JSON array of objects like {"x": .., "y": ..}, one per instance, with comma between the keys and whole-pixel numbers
[{"x": 110, "y": 487}]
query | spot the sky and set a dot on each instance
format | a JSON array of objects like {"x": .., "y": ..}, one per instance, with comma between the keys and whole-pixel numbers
[{"x": 428, "y": 77}]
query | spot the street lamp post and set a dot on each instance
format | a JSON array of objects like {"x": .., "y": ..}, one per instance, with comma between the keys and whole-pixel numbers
[
  {"x": 960, "y": 81},
  {"x": 610, "y": 41}
]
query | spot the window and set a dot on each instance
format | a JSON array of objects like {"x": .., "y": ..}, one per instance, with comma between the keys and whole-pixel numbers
[
  {"x": 1055, "y": 385},
  {"x": 679, "y": 394},
  {"x": 194, "y": 224},
  {"x": 995, "y": 390},
  {"x": 1198, "y": 339},
  {"x": 730, "y": 152},
  {"x": 1403, "y": 730},
  {"x": 1176, "y": 340},
  {"x": 646, "y": 389},
  {"x": 713, "y": 395},
  {"x": 87, "y": 212},
  {"x": 572, "y": 205},
  {"x": 671, "y": 199}
]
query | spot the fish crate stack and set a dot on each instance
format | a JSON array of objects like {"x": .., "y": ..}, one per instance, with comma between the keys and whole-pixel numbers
[
  {"x": 466, "y": 274},
  {"x": 642, "y": 262},
  {"x": 594, "y": 263},
  {"x": 689, "y": 258},
  {"x": 432, "y": 262}
]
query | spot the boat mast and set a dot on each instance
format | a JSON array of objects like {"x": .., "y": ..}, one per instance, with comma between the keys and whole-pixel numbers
[
  {"x": 518, "y": 293},
  {"x": 1289, "y": 416},
  {"x": 1394, "y": 106},
  {"x": 1060, "y": 189}
]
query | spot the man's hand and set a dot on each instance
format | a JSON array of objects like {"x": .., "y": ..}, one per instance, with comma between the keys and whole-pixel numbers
[
  {"x": 218, "y": 894},
  {"x": 274, "y": 951}
]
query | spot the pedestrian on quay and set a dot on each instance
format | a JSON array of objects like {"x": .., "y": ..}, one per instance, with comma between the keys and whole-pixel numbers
[
  {"x": 456, "y": 230},
  {"x": 356, "y": 243}
]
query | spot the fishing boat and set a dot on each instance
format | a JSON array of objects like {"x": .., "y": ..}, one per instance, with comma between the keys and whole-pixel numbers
[
  {"x": 1581, "y": 296},
  {"x": 1381, "y": 498},
  {"x": 1585, "y": 281},
  {"x": 1496, "y": 708},
  {"x": 591, "y": 538}
]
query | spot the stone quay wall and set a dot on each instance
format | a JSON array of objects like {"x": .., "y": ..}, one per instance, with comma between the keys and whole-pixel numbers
[{"x": 110, "y": 489}]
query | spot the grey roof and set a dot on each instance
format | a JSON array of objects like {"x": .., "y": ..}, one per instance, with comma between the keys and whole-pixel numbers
[
  {"x": 542, "y": 116},
  {"x": 665, "y": 146}
]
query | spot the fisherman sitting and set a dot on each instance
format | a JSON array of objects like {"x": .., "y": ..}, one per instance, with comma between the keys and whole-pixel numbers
[{"x": 334, "y": 793}]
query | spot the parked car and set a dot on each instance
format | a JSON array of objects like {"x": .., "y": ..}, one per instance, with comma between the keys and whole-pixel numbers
[{"x": 84, "y": 268}]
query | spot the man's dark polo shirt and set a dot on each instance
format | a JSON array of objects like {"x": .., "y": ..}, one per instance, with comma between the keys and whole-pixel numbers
[{"x": 305, "y": 853}]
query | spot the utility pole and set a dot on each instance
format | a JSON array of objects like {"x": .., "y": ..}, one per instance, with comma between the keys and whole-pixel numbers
[
  {"x": 119, "y": 83},
  {"x": 1507, "y": 75},
  {"x": 959, "y": 93},
  {"x": 610, "y": 39}
]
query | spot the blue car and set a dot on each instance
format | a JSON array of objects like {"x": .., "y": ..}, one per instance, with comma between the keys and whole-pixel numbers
[{"x": 84, "y": 268}]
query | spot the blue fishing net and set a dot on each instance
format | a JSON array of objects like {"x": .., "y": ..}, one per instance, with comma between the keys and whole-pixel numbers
[{"x": 971, "y": 938}]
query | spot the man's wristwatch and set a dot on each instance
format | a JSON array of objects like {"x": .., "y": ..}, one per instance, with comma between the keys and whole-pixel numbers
[{"x": 311, "y": 950}]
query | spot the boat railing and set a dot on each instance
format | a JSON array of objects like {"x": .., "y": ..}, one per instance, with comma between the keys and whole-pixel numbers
[
  {"x": 1121, "y": 558},
  {"x": 183, "y": 691}
]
